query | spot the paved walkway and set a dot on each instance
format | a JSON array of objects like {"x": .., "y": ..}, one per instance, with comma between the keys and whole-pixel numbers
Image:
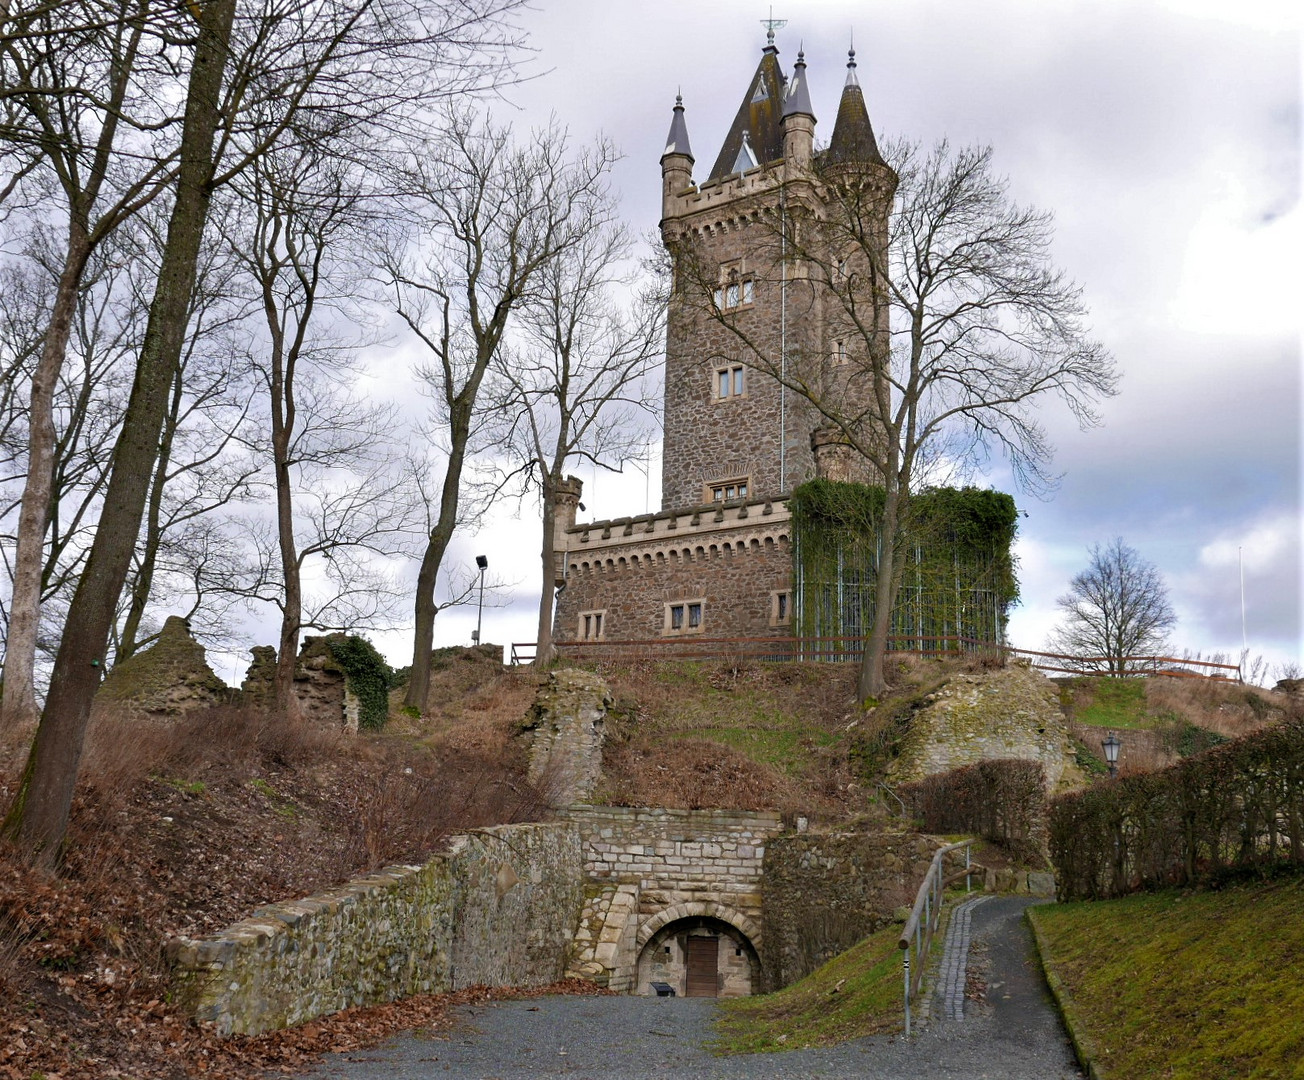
[
  {"x": 1013, "y": 1033},
  {"x": 954, "y": 968}
]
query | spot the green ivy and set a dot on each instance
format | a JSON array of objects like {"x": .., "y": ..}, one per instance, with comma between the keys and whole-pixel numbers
[
  {"x": 957, "y": 561},
  {"x": 367, "y": 676}
]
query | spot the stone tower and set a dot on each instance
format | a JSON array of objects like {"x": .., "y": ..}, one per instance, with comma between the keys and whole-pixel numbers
[
  {"x": 749, "y": 303},
  {"x": 766, "y": 280}
]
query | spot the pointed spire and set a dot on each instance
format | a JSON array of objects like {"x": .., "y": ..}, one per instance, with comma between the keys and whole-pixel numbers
[
  {"x": 853, "y": 135},
  {"x": 851, "y": 67},
  {"x": 797, "y": 98},
  {"x": 677, "y": 140},
  {"x": 759, "y": 115}
]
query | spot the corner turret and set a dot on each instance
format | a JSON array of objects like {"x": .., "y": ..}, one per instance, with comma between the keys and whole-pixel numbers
[
  {"x": 798, "y": 122},
  {"x": 677, "y": 161},
  {"x": 853, "y": 139}
]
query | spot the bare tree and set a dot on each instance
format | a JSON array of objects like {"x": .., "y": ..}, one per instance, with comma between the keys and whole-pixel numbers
[
  {"x": 1115, "y": 610},
  {"x": 955, "y": 328},
  {"x": 288, "y": 58},
  {"x": 308, "y": 215},
  {"x": 80, "y": 83},
  {"x": 578, "y": 387},
  {"x": 493, "y": 215}
]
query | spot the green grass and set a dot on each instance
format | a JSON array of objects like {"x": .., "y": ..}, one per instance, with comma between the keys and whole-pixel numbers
[
  {"x": 1186, "y": 985},
  {"x": 867, "y": 1001},
  {"x": 772, "y": 745},
  {"x": 1116, "y": 703}
]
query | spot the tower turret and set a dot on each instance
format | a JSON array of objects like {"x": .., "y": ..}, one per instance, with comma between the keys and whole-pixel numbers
[
  {"x": 798, "y": 122},
  {"x": 677, "y": 161},
  {"x": 853, "y": 136}
]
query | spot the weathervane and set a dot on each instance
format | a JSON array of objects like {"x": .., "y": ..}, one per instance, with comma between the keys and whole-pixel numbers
[{"x": 772, "y": 24}]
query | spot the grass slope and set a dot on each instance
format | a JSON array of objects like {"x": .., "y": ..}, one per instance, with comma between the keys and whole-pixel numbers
[
  {"x": 1186, "y": 985},
  {"x": 855, "y": 994}
]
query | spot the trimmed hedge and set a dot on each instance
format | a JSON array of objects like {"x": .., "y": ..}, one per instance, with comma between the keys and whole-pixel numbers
[
  {"x": 1236, "y": 807},
  {"x": 1001, "y": 800}
]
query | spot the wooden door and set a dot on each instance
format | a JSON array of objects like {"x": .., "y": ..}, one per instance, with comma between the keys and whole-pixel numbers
[{"x": 703, "y": 960}]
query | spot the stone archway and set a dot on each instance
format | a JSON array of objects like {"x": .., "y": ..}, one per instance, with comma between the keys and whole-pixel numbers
[
  {"x": 698, "y": 949},
  {"x": 710, "y": 909}
]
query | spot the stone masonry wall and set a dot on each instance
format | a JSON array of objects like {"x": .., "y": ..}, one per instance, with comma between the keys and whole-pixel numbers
[
  {"x": 1011, "y": 713},
  {"x": 734, "y": 567},
  {"x": 648, "y": 867},
  {"x": 826, "y": 891},
  {"x": 565, "y": 728},
  {"x": 498, "y": 909}
]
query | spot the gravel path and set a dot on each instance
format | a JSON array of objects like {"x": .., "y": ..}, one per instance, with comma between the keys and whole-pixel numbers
[{"x": 1014, "y": 1034}]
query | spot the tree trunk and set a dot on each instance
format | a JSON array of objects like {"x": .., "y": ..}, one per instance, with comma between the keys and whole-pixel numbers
[
  {"x": 143, "y": 584},
  {"x": 428, "y": 576},
  {"x": 873, "y": 678},
  {"x": 427, "y": 579},
  {"x": 18, "y": 700},
  {"x": 38, "y": 816},
  {"x": 545, "y": 652},
  {"x": 287, "y": 656}
]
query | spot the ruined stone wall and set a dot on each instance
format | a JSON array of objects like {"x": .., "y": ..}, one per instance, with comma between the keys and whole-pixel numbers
[
  {"x": 1011, "y": 713},
  {"x": 162, "y": 682},
  {"x": 731, "y": 559},
  {"x": 826, "y": 891},
  {"x": 498, "y": 909},
  {"x": 566, "y": 727}
]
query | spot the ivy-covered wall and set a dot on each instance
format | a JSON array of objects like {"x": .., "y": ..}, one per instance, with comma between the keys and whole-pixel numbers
[{"x": 958, "y": 566}]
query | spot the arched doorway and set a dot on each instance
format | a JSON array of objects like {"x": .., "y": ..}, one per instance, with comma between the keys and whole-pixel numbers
[{"x": 699, "y": 956}]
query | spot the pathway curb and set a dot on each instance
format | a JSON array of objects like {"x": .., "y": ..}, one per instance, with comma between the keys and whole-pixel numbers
[{"x": 1083, "y": 1046}]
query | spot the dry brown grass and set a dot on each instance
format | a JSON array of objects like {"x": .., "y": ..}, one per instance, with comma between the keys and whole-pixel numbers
[{"x": 1226, "y": 708}]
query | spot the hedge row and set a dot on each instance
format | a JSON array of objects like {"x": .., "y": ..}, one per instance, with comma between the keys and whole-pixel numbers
[
  {"x": 1001, "y": 800},
  {"x": 1240, "y": 805}
]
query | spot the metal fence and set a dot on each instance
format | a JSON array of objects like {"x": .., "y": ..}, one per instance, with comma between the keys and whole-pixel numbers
[{"x": 848, "y": 650}]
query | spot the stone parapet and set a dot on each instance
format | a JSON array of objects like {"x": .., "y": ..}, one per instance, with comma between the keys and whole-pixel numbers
[{"x": 497, "y": 910}]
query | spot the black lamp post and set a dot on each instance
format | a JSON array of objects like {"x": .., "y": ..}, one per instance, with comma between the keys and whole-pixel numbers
[
  {"x": 483, "y": 563},
  {"x": 1111, "y": 743}
]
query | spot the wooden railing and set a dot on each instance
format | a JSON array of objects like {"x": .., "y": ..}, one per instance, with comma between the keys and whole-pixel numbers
[{"x": 851, "y": 649}]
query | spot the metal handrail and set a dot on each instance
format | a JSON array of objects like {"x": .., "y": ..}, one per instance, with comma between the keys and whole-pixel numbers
[{"x": 926, "y": 916}]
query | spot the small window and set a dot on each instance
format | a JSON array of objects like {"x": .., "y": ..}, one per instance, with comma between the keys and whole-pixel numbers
[
  {"x": 730, "y": 381},
  {"x": 684, "y": 616},
  {"x": 840, "y": 273},
  {"x": 727, "y": 490},
  {"x": 839, "y": 352},
  {"x": 780, "y": 608},
  {"x": 592, "y": 625},
  {"x": 736, "y": 289}
]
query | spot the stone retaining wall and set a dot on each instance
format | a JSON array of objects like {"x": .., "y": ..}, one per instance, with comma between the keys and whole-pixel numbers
[
  {"x": 826, "y": 891},
  {"x": 498, "y": 909}
]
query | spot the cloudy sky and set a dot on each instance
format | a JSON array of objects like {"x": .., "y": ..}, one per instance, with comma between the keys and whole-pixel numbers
[{"x": 1165, "y": 136}]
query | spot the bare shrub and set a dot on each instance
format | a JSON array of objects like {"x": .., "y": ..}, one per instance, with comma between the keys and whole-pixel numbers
[{"x": 1001, "y": 800}]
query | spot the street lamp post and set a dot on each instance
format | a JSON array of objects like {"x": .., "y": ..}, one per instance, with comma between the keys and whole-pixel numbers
[
  {"x": 483, "y": 563},
  {"x": 1111, "y": 744}
]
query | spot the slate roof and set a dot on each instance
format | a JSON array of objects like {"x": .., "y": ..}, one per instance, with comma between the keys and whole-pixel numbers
[
  {"x": 677, "y": 140},
  {"x": 853, "y": 135},
  {"x": 758, "y": 116}
]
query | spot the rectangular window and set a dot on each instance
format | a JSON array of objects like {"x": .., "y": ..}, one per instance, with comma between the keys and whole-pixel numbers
[
  {"x": 780, "y": 607},
  {"x": 839, "y": 352},
  {"x": 736, "y": 289},
  {"x": 727, "y": 490},
  {"x": 684, "y": 616},
  {"x": 592, "y": 625},
  {"x": 729, "y": 382}
]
